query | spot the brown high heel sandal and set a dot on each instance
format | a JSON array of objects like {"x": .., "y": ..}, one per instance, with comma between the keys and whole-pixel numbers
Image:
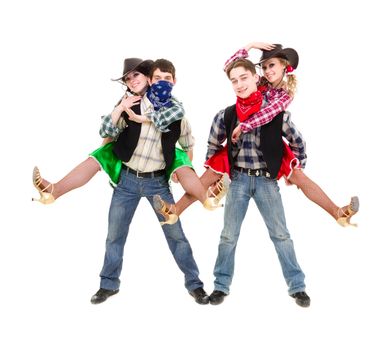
[
  {"x": 45, "y": 197},
  {"x": 219, "y": 191},
  {"x": 168, "y": 211},
  {"x": 344, "y": 217}
]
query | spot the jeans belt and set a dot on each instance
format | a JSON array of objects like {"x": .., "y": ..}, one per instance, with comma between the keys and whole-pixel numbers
[
  {"x": 140, "y": 174},
  {"x": 253, "y": 172}
]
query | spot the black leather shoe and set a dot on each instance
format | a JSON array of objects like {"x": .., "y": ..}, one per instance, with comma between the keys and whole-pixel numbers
[
  {"x": 302, "y": 299},
  {"x": 200, "y": 296},
  {"x": 217, "y": 297},
  {"x": 102, "y": 295}
]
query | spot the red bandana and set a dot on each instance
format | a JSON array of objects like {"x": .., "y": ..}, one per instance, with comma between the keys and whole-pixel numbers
[{"x": 252, "y": 104}]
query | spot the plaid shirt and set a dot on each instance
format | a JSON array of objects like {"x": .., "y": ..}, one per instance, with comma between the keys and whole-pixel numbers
[
  {"x": 241, "y": 53},
  {"x": 166, "y": 115},
  {"x": 148, "y": 154},
  {"x": 247, "y": 152},
  {"x": 161, "y": 118},
  {"x": 278, "y": 101}
]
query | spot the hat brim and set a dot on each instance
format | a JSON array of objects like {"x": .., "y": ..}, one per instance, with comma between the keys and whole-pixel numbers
[
  {"x": 122, "y": 77},
  {"x": 143, "y": 67},
  {"x": 288, "y": 53},
  {"x": 134, "y": 65}
]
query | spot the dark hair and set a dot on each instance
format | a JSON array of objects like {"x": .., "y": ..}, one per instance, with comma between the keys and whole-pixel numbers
[
  {"x": 164, "y": 66},
  {"x": 241, "y": 62}
]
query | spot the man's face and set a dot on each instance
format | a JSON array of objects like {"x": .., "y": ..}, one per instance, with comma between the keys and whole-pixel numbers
[
  {"x": 158, "y": 75},
  {"x": 243, "y": 81}
]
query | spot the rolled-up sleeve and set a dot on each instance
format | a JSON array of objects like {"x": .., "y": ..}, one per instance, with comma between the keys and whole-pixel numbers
[
  {"x": 295, "y": 139},
  {"x": 266, "y": 114},
  {"x": 166, "y": 116},
  {"x": 108, "y": 129},
  {"x": 186, "y": 140},
  {"x": 241, "y": 53},
  {"x": 217, "y": 134}
]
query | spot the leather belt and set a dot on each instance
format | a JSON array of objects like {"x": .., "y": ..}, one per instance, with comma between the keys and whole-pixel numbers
[
  {"x": 140, "y": 174},
  {"x": 253, "y": 172}
]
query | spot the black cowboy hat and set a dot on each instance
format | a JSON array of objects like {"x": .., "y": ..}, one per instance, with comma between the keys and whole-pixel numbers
[
  {"x": 135, "y": 64},
  {"x": 288, "y": 54}
]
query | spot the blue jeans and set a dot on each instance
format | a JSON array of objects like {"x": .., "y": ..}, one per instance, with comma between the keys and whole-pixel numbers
[
  {"x": 265, "y": 193},
  {"x": 124, "y": 202}
]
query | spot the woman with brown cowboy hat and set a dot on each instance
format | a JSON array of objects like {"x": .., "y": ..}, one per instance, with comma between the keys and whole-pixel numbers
[
  {"x": 278, "y": 64},
  {"x": 102, "y": 158}
]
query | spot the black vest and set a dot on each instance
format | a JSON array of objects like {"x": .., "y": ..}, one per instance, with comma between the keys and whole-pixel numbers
[
  {"x": 271, "y": 143},
  {"x": 127, "y": 141}
]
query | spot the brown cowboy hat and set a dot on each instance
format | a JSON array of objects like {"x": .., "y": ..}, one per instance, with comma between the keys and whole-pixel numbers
[
  {"x": 135, "y": 64},
  {"x": 289, "y": 54}
]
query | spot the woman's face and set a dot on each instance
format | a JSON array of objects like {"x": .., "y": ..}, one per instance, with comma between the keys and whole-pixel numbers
[
  {"x": 273, "y": 71},
  {"x": 136, "y": 82}
]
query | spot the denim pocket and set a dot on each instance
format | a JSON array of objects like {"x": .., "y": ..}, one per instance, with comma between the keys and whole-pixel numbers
[
  {"x": 272, "y": 184},
  {"x": 234, "y": 175},
  {"x": 120, "y": 180},
  {"x": 162, "y": 180}
]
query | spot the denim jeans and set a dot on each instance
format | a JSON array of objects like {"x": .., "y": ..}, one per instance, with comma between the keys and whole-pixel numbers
[
  {"x": 124, "y": 202},
  {"x": 265, "y": 193}
]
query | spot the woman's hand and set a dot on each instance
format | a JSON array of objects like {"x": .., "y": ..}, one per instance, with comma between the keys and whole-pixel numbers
[
  {"x": 259, "y": 45},
  {"x": 174, "y": 178},
  {"x": 236, "y": 133},
  {"x": 136, "y": 117},
  {"x": 129, "y": 101}
]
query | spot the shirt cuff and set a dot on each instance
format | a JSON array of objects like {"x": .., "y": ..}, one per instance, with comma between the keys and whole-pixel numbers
[{"x": 245, "y": 127}]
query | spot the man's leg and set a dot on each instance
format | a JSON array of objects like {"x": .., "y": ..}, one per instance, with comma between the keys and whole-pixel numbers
[
  {"x": 236, "y": 206},
  {"x": 177, "y": 241},
  {"x": 269, "y": 202},
  {"x": 124, "y": 202}
]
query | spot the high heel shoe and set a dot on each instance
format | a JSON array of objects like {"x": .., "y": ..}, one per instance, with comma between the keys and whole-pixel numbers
[
  {"x": 168, "y": 211},
  {"x": 215, "y": 196},
  {"x": 45, "y": 197},
  {"x": 345, "y": 217}
]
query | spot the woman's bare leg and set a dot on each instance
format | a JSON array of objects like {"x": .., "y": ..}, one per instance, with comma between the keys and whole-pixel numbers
[
  {"x": 78, "y": 177},
  {"x": 208, "y": 178},
  {"x": 191, "y": 183},
  {"x": 314, "y": 192}
]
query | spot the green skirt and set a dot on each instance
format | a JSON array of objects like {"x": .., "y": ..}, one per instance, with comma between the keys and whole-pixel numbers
[
  {"x": 181, "y": 160},
  {"x": 112, "y": 165},
  {"x": 108, "y": 161}
]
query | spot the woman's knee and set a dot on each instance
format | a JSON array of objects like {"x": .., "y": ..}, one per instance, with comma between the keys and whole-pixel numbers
[{"x": 297, "y": 178}]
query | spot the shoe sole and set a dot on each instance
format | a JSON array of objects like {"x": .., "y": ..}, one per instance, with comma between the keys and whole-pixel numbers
[
  {"x": 217, "y": 302},
  {"x": 355, "y": 204},
  {"x": 200, "y": 301},
  {"x": 96, "y": 302},
  {"x": 157, "y": 203},
  {"x": 302, "y": 304}
]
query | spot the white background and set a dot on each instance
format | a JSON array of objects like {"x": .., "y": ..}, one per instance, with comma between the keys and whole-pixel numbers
[{"x": 56, "y": 63}]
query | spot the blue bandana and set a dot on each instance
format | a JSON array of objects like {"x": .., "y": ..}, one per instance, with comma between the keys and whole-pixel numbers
[{"x": 159, "y": 94}]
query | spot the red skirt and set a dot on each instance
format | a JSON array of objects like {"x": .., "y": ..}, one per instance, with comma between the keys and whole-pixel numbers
[
  {"x": 289, "y": 162},
  {"x": 219, "y": 162}
]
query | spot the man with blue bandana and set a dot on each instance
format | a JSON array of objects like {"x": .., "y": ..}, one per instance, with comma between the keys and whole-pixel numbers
[{"x": 145, "y": 150}]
